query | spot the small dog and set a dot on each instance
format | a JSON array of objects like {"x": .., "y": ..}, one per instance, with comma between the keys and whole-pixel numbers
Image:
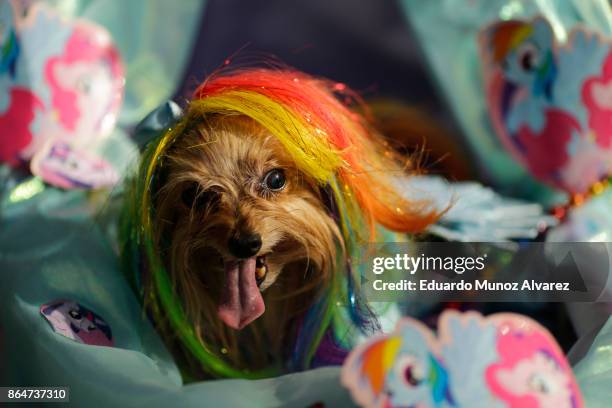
[
  {"x": 237, "y": 208},
  {"x": 255, "y": 216}
]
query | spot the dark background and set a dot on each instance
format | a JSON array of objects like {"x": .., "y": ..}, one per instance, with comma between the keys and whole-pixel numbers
[{"x": 365, "y": 43}]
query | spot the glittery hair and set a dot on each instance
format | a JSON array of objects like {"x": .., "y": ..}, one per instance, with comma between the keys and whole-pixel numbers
[{"x": 326, "y": 140}]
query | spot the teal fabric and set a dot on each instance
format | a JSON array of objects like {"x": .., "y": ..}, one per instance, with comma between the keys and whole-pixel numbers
[
  {"x": 56, "y": 244},
  {"x": 447, "y": 31},
  {"x": 594, "y": 371}
]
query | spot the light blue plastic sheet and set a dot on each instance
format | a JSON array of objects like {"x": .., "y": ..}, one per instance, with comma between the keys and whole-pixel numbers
[{"x": 55, "y": 244}]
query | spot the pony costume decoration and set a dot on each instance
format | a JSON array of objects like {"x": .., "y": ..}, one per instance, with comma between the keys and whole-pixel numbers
[
  {"x": 503, "y": 360},
  {"x": 77, "y": 322},
  {"x": 549, "y": 103},
  {"x": 352, "y": 167},
  {"x": 61, "y": 86}
]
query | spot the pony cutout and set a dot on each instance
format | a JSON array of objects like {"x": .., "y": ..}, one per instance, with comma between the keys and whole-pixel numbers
[
  {"x": 61, "y": 83},
  {"x": 75, "y": 321},
  {"x": 550, "y": 103},
  {"x": 503, "y": 360},
  {"x": 532, "y": 370}
]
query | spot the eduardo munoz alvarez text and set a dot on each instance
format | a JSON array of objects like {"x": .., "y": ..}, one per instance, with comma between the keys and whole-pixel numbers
[{"x": 459, "y": 265}]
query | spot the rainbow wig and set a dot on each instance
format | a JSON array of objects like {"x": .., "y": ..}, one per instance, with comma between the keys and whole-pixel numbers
[{"x": 329, "y": 143}]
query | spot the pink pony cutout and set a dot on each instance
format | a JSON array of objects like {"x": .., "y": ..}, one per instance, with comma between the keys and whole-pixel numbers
[
  {"x": 86, "y": 45},
  {"x": 532, "y": 371},
  {"x": 67, "y": 96}
]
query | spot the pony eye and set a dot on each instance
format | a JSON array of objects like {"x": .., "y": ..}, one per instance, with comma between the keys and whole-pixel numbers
[
  {"x": 528, "y": 57},
  {"x": 540, "y": 384},
  {"x": 410, "y": 376},
  {"x": 410, "y": 370},
  {"x": 275, "y": 180},
  {"x": 84, "y": 84}
]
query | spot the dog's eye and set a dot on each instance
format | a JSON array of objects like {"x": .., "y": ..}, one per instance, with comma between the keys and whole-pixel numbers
[
  {"x": 193, "y": 197},
  {"x": 275, "y": 180}
]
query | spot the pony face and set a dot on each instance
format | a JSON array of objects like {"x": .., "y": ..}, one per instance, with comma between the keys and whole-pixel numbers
[
  {"x": 77, "y": 322},
  {"x": 539, "y": 377},
  {"x": 532, "y": 370},
  {"x": 523, "y": 51},
  {"x": 417, "y": 375},
  {"x": 398, "y": 370},
  {"x": 85, "y": 82}
]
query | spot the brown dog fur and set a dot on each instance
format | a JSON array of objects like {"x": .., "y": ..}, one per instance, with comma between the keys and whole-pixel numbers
[{"x": 212, "y": 188}]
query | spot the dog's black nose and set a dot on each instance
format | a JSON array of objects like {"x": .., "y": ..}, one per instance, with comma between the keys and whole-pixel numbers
[{"x": 244, "y": 246}]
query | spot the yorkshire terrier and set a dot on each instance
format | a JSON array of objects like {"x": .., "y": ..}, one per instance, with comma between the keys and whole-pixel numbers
[
  {"x": 238, "y": 214},
  {"x": 246, "y": 223}
]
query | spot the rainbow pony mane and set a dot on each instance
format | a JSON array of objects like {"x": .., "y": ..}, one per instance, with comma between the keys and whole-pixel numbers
[
  {"x": 328, "y": 142},
  {"x": 381, "y": 357},
  {"x": 378, "y": 360},
  {"x": 508, "y": 37}
]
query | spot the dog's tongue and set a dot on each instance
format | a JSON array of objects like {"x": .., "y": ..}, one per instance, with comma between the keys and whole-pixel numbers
[{"x": 241, "y": 300}]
